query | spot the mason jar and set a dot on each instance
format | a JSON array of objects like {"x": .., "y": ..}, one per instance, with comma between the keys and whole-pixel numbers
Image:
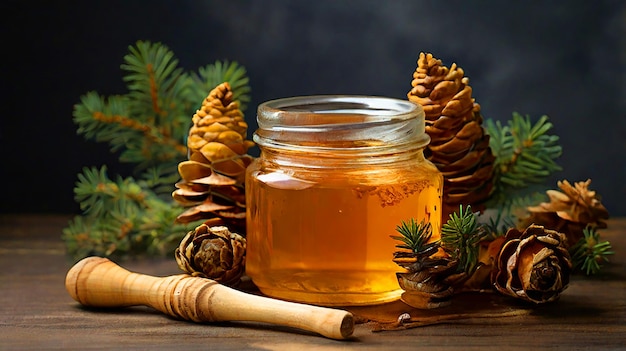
[{"x": 336, "y": 175}]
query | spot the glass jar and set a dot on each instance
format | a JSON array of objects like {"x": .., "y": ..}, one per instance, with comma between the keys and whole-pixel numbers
[{"x": 336, "y": 176}]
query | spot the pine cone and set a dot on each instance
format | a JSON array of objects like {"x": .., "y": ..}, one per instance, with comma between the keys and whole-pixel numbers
[
  {"x": 430, "y": 281},
  {"x": 214, "y": 253},
  {"x": 533, "y": 265},
  {"x": 459, "y": 145},
  {"x": 213, "y": 178},
  {"x": 570, "y": 211}
]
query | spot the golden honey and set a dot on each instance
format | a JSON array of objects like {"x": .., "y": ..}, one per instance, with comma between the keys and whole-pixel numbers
[{"x": 335, "y": 177}]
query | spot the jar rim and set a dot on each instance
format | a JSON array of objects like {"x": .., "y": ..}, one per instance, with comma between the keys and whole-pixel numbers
[
  {"x": 350, "y": 123},
  {"x": 363, "y": 108}
]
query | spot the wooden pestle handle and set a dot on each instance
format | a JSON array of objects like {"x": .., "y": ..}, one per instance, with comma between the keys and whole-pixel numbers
[{"x": 98, "y": 282}]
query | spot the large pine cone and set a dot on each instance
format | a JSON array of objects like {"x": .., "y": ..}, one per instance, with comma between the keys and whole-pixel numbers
[
  {"x": 213, "y": 252},
  {"x": 533, "y": 265},
  {"x": 569, "y": 211},
  {"x": 212, "y": 183},
  {"x": 459, "y": 145}
]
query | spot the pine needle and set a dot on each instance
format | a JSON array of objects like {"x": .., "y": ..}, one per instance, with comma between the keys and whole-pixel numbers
[
  {"x": 414, "y": 236},
  {"x": 460, "y": 237},
  {"x": 589, "y": 252},
  {"x": 525, "y": 157}
]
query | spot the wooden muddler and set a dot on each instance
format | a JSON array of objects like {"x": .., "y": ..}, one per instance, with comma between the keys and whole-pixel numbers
[{"x": 98, "y": 282}]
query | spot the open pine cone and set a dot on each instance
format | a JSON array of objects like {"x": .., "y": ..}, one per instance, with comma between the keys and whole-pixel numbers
[
  {"x": 430, "y": 281},
  {"x": 569, "y": 211},
  {"x": 459, "y": 145},
  {"x": 533, "y": 265},
  {"x": 213, "y": 252},
  {"x": 212, "y": 183}
]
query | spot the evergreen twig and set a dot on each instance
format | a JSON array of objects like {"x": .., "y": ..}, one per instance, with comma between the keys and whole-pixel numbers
[
  {"x": 525, "y": 156},
  {"x": 413, "y": 236},
  {"x": 589, "y": 252},
  {"x": 460, "y": 237}
]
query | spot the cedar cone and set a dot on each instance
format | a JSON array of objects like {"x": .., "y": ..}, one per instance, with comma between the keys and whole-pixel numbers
[
  {"x": 214, "y": 253},
  {"x": 212, "y": 184},
  {"x": 533, "y": 265},
  {"x": 430, "y": 280},
  {"x": 569, "y": 211},
  {"x": 459, "y": 145}
]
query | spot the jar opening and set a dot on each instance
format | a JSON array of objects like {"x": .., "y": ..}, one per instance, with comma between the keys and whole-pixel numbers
[{"x": 340, "y": 121}]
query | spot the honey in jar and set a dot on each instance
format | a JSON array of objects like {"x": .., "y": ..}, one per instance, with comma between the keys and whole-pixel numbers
[{"x": 336, "y": 176}]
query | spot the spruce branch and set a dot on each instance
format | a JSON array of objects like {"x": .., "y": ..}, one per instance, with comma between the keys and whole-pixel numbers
[
  {"x": 524, "y": 153},
  {"x": 498, "y": 225},
  {"x": 120, "y": 217},
  {"x": 589, "y": 252},
  {"x": 211, "y": 75},
  {"x": 414, "y": 236},
  {"x": 525, "y": 156},
  {"x": 460, "y": 238}
]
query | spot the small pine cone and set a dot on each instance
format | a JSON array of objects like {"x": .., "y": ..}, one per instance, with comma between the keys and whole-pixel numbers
[
  {"x": 212, "y": 184},
  {"x": 218, "y": 134},
  {"x": 430, "y": 281},
  {"x": 533, "y": 265},
  {"x": 214, "y": 253},
  {"x": 569, "y": 211},
  {"x": 459, "y": 145}
]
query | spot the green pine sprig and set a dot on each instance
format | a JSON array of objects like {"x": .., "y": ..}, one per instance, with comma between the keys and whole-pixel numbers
[
  {"x": 460, "y": 238},
  {"x": 414, "y": 236},
  {"x": 120, "y": 217},
  {"x": 498, "y": 225},
  {"x": 149, "y": 124},
  {"x": 525, "y": 157},
  {"x": 210, "y": 76},
  {"x": 589, "y": 253}
]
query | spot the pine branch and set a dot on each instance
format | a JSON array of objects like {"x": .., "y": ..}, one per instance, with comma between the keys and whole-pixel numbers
[
  {"x": 120, "y": 218},
  {"x": 414, "y": 236},
  {"x": 210, "y": 76},
  {"x": 498, "y": 225},
  {"x": 158, "y": 88},
  {"x": 589, "y": 252},
  {"x": 460, "y": 237},
  {"x": 525, "y": 157}
]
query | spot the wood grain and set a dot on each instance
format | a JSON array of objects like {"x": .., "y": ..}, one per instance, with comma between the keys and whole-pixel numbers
[{"x": 37, "y": 313}]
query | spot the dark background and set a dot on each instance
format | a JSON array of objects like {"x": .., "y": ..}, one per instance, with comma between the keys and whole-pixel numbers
[{"x": 565, "y": 59}]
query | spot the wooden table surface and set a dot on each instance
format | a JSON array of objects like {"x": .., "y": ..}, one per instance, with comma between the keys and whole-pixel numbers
[{"x": 36, "y": 313}]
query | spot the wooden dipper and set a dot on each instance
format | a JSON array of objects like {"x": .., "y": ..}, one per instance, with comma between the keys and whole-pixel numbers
[{"x": 98, "y": 282}]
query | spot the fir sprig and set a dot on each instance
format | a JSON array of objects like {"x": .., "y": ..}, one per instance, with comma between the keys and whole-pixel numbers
[
  {"x": 148, "y": 125},
  {"x": 525, "y": 156},
  {"x": 211, "y": 75},
  {"x": 414, "y": 236},
  {"x": 589, "y": 252},
  {"x": 498, "y": 225},
  {"x": 121, "y": 217},
  {"x": 460, "y": 238}
]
